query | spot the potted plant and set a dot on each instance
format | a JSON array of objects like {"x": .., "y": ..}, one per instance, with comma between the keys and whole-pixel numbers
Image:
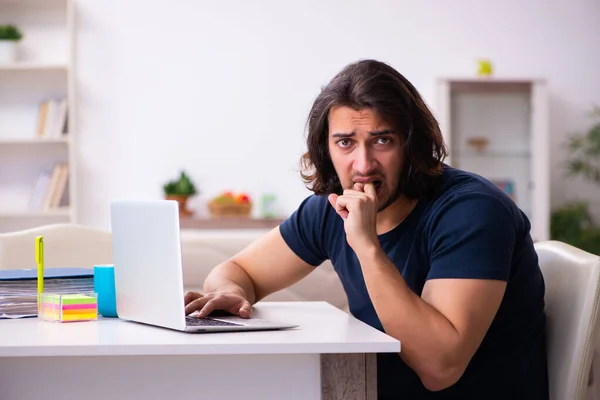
[
  {"x": 9, "y": 36},
  {"x": 573, "y": 223},
  {"x": 180, "y": 190}
]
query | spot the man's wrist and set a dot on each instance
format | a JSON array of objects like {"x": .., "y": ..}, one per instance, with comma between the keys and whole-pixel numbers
[
  {"x": 235, "y": 289},
  {"x": 231, "y": 288},
  {"x": 369, "y": 253},
  {"x": 240, "y": 291}
]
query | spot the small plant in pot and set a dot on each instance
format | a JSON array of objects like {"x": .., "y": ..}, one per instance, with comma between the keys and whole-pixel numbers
[
  {"x": 180, "y": 190},
  {"x": 9, "y": 36}
]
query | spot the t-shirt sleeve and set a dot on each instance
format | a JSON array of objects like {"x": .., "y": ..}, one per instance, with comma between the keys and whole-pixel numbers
[
  {"x": 304, "y": 231},
  {"x": 473, "y": 237}
]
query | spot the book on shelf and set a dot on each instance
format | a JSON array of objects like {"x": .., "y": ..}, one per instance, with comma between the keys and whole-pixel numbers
[
  {"x": 50, "y": 188},
  {"x": 52, "y": 119},
  {"x": 507, "y": 186}
]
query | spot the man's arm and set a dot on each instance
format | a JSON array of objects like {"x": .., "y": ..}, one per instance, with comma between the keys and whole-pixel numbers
[
  {"x": 441, "y": 330},
  {"x": 470, "y": 250},
  {"x": 264, "y": 267}
]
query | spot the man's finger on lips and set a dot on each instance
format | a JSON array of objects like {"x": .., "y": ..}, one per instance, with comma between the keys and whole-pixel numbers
[
  {"x": 370, "y": 189},
  {"x": 359, "y": 186}
]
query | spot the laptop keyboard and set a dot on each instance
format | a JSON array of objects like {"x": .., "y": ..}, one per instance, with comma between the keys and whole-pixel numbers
[{"x": 193, "y": 321}]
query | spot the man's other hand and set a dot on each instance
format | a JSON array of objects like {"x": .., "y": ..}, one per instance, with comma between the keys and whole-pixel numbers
[{"x": 232, "y": 303}]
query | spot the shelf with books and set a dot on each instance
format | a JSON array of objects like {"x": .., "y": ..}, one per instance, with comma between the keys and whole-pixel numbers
[
  {"x": 37, "y": 113},
  {"x": 498, "y": 128},
  {"x": 41, "y": 186}
]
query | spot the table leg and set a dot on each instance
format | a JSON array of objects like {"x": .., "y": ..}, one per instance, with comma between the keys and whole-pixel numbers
[{"x": 349, "y": 376}]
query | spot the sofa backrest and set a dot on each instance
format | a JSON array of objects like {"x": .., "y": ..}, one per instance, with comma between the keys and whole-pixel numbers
[
  {"x": 70, "y": 245},
  {"x": 201, "y": 252}
]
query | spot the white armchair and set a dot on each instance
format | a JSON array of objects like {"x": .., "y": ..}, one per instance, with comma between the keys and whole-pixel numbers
[
  {"x": 65, "y": 245},
  {"x": 572, "y": 279}
]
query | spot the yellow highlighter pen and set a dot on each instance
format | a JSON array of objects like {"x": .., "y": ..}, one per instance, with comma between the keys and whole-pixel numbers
[{"x": 39, "y": 259}]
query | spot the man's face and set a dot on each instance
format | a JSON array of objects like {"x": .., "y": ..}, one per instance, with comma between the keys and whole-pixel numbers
[{"x": 364, "y": 148}]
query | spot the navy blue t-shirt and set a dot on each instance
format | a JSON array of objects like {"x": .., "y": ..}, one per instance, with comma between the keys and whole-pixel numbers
[{"x": 468, "y": 229}]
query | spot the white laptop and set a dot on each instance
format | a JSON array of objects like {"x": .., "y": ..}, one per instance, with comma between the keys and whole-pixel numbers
[{"x": 148, "y": 271}]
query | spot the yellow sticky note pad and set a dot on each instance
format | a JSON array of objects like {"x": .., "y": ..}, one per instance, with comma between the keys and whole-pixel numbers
[{"x": 68, "y": 307}]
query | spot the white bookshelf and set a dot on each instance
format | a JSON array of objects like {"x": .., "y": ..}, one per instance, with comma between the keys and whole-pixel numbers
[
  {"x": 42, "y": 72},
  {"x": 512, "y": 116}
]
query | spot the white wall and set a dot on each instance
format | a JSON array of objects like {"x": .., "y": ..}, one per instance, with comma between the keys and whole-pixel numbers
[{"x": 222, "y": 89}]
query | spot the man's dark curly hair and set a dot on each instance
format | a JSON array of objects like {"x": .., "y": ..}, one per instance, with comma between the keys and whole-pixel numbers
[{"x": 377, "y": 86}]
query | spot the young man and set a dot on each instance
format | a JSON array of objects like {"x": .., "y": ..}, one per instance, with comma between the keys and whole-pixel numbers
[{"x": 437, "y": 257}]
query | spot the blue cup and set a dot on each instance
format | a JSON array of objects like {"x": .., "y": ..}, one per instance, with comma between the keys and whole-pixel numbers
[{"x": 104, "y": 286}]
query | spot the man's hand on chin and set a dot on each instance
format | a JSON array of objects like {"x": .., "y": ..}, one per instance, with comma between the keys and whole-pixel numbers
[{"x": 358, "y": 208}]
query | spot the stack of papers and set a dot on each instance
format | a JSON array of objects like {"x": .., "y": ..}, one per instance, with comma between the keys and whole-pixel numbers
[{"x": 18, "y": 288}]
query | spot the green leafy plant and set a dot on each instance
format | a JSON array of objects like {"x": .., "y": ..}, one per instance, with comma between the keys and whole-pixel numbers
[
  {"x": 182, "y": 186},
  {"x": 573, "y": 223},
  {"x": 585, "y": 152},
  {"x": 10, "y": 32}
]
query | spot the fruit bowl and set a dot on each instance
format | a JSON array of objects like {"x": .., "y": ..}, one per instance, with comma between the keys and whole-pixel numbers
[{"x": 229, "y": 205}]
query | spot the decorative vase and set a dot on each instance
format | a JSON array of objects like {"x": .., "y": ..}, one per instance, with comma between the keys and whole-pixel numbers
[
  {"x": 8, "y": 51},
  {"x": 182, "y": 200}
]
